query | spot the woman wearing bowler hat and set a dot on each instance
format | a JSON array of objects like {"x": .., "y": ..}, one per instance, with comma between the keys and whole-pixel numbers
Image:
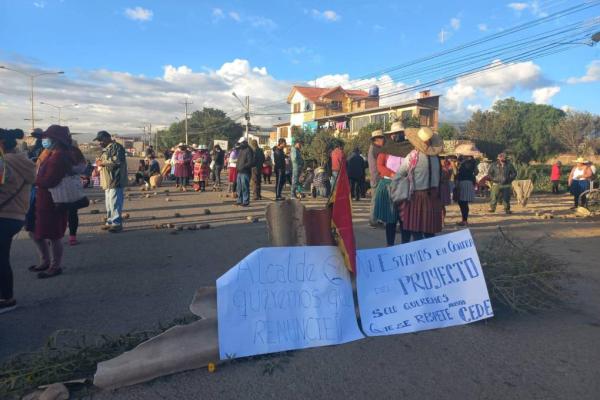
[{"x": 51, "y": 222}]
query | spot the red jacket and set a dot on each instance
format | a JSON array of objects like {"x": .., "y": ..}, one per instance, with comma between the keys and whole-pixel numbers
[
  {"x": 555, "y": 173},
  {"x": 337, "y": 158}
]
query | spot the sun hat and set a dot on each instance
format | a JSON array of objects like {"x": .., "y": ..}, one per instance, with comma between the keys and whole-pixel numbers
[
  {"x": 242, "y": 140},
  {"x": 418, "y": 136},
  {"x": 376, "y": 134},
  {"x": 581, "y": 160},
  {"x": 59, "y": 133},
  {"x": 395, "y": 128},
  {"x": 37, "y": 133},
  {"x": 467, "y": 149}
]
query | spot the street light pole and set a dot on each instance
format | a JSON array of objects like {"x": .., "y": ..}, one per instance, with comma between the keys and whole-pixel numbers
[
  {"x": 186, "y": 103},
  {"x": 59, "y": 108},
  {"x": 31, "y": 82}
]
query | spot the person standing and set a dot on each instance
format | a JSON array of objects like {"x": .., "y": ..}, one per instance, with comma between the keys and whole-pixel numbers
[
  {"x": 259, "y": 159},
  {"x": 579, "y": 181},
  {"x": 113, "y": 178},
  {"x": 18, "y": 174},
  {"x": 267, "y": 168},
  {"x": 297, "y": 166},
  {"x": 356, "y": 173},
  {"x": 232, "y": 169},
  {"x": 421, "y": 214},
  {"x": 245, "y": 163},
  {"x": 502, "y": 173},
  {"x": 376, "y": 143},
  {"x": 279, "y": 164},
  {"x": 218, "y": 156},
  {"x": 50, "y": 220},
  {"x": 182, "y": 160},
  {"x": 555, "y": 176},
  {"x": 79, "y": 166},
  {"x": 466, "y": 179},
  {"x": 337, "y": 158}
]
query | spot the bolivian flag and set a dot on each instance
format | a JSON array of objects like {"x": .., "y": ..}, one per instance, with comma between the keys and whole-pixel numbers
[{"x": 341, "y": 218}]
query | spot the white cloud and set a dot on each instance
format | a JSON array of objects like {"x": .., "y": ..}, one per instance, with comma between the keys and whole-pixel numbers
[
  {"x": 455, "y": 23},
  {"x": 217, "y": 14},
  {"x": 262, "y": 22},
  {"x": 518, "y": 6},
  {"x": 327, "y": 15},
  {"x": 235, "y": 16},
  {"x": 566, "y": 108},
  {"x": 474, "y": 107},
  {"x": 494, "y": 83},
  {"x": 543, "y": 95},
  {"x": 39, "y": 4},
  {"x": 592, "y": 74},
  {"x": 120, "y": 101},
  {"x": 482, "y": 27},
  {"x": 139, "y": 14},
  {"x": 378, "y": 27}
]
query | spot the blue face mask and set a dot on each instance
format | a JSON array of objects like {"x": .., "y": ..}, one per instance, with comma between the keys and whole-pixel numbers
[{"x": 46, "y": 143}]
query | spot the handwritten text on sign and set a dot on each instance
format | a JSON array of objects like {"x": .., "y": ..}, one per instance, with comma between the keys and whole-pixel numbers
[
  {"x": 285, "y": 298},
  {"x": 428, "y": 284}
]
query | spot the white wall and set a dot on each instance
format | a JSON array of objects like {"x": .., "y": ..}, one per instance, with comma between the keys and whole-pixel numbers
[{"x": 298, "y": 118}]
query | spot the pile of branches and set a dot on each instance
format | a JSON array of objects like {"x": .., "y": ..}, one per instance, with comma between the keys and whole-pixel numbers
[
  {"x": 66, "y": 356},
  {"x": 521, "y": 277}
]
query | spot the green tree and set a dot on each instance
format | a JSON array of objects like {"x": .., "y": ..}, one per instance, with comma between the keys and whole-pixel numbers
[
  {"x": 523, "y": 129},
  {"x": 448, "y": 132},
  {"x": 319, "y": 146},
  {"x": 204, "y": 126},
  {"x": 577, "y": 131}
]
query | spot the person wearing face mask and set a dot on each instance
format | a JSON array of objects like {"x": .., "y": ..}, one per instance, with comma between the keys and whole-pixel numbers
[
  {"x": 17, "y": 173},
  {"x": 50, "y": 221}
]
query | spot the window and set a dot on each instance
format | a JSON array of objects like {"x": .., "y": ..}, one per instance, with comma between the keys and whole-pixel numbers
[
  {"x": 296, "y": 107},
  {"x": 406, "y": 115},
  {"x": 336, "y": 105},
  {"x": 360, "y": 122},
  {"x": 426, "y": 117},
  {"x": 380, "y": 119},
  {"x": 307, "y": 106}
]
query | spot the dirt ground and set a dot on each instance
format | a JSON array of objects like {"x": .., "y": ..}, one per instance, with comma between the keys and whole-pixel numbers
[{"x": 116, "y": 283}]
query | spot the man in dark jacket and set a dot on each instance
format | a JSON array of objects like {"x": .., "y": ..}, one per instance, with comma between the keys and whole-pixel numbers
[
  {"x": 259, "y": 159},
  {"x": 244, "y": 165},
  {"x": 218, "y": 156},
  {"x": 501, "y": 173},
  {"x": 279, "y": 165},
  {"x": 356, "y": 173}
]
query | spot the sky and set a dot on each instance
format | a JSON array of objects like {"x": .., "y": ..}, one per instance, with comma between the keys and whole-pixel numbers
[{"x": 132, "y": 63}]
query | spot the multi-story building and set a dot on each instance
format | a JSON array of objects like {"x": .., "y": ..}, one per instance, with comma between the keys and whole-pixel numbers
[{"x": 347, "y": 111}]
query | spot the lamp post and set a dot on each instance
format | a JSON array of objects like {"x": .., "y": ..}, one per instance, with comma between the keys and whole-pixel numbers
[
  {"x": 59, "y": 108},
  {"x": 246, "y": 107},
  {"x": 31, "y": 82}
]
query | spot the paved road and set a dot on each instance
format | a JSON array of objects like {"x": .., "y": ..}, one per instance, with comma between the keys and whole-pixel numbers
[{"x": 133, "y": 280}]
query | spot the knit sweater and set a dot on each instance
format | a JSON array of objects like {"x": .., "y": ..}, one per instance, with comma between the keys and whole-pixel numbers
[{"x": 19, "y": 170}]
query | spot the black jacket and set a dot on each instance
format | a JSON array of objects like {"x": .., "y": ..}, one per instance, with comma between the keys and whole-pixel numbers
[
  {"x": 219, "y": 157},
  {"x": 245, "y": 160},
  {"x": 467, "y": 171},
  {"x": 356, "y": 166},
  {"x": 278, "y": 158},
  {"x": 259, "y": 158}
]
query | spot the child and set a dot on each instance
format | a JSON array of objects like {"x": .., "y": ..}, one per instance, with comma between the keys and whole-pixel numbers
[{"x": 201, "y": 169}]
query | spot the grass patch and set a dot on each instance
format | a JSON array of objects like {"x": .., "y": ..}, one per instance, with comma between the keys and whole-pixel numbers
[
  {"x": 521, "y": 277},
  {"x": 68, "y": 355}
]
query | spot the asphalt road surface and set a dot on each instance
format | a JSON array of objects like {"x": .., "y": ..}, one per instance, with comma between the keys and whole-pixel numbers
[{"x": 117, "y": 283}]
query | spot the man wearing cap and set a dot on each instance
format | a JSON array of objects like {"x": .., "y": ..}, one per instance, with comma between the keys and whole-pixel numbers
[
  {"x": 297, "y": 165},
  {"x": 245, "y": 162},
  {"x": 113, "y": 179},
  {"x": 501, "y": 173}
]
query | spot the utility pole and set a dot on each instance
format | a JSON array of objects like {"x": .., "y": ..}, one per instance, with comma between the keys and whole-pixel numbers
[
  {"x": 246, "y": 105},
  {"x": 247, "y": 116},
  {"x": 186, "y": 103}
]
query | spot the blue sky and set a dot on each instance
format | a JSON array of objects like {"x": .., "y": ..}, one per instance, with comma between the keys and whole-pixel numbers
[{"x": 102, "y": 45}]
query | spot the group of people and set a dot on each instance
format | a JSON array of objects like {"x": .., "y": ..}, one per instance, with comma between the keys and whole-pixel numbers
[
  {"x": 41, "y": 191},
  {"x": 196, "y": 162},
  {"x": 579, "y": 181}
]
